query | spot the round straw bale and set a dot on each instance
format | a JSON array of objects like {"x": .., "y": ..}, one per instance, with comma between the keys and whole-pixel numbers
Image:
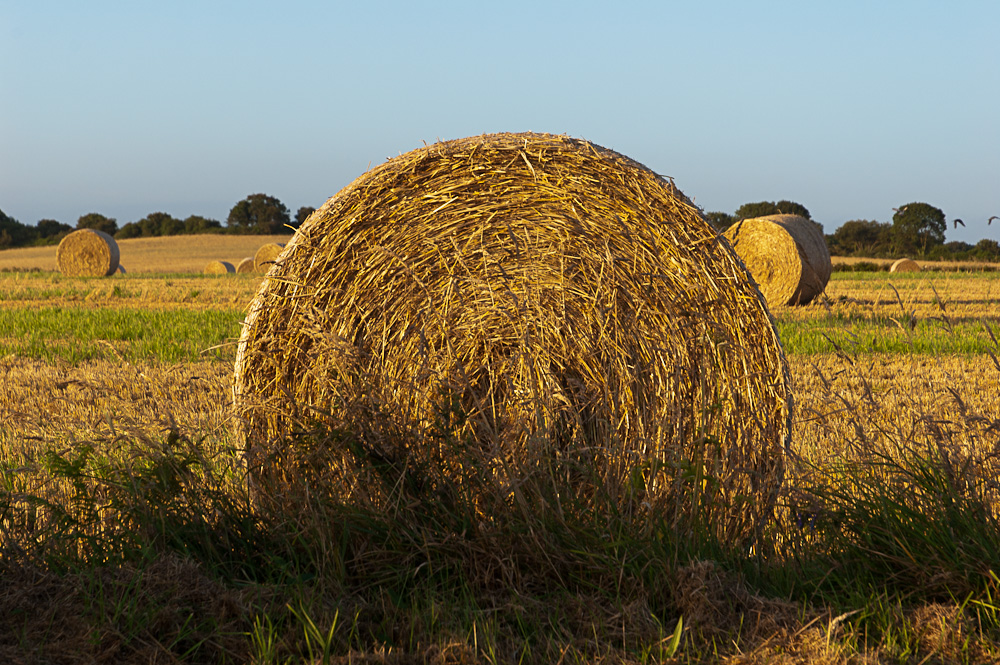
[
  {"x": 905, "y": 265},
  {"x": 245, "y": 265},
  {"x": 484, "y": 313},
  {"x": 219, "y": 268},
  {"x": 267, "y": 255},
  {"x": 786, "y": 254},
  {"x": 87, "y": 253}
]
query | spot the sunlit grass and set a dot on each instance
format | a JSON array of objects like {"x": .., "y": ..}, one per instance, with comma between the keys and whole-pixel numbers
[
  {"x": 77, "y": 333},
  {"x": 128, "y": 532},
  {"x": 926, "y": 337}
]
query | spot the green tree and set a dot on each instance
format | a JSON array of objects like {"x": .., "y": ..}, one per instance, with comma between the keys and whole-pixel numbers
[
  {"x": 955, "y": 250},
  {"x": 13, "y": 233},
  {"x": 50, "y": 228},
  {"x": 160, "y": 224},
  {"x": 260, "y": 214},
  {"x": 720, "y": 220},
  {"x": 129, "y": 230},
  {"x": 199, "y": 224},
  {"x": 987, "y": 249},
  {"x": 918, "y": 227},
  {"x": 765, "y": 208},
  {"x": 302, "y": 215},
  {"x": 793, "y": 208},
  {"x": 99, "y": 222},
  {"x": 861, "y": 237}
]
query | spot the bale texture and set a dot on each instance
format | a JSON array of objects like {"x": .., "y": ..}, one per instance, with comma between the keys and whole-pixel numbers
[
  {"x": 905, "y": 265},
  {"x": 267, "y": 255},
  {"x": 219, "y": 268},
  {"x": 87, "y": 253},
  {"x": 786, "y": 254},
  {"x": 486, "y": 312},
  {"x": 245, "y": 265}
]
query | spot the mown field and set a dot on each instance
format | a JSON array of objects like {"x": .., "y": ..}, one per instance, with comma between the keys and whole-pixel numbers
[
  {"x": 127, "y": 532},
  {"x": 170, "y": 254}
]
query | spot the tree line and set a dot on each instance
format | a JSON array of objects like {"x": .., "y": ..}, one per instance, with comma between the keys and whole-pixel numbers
[
  {"x": 257, "y": 214},
  {"x": 917, "y": 229}
]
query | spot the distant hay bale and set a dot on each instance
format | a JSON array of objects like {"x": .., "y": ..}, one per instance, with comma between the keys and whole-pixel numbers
[
  {"x": 219, "y": 268},
  {"x": 905, "y": 265},
  {"x": 245, "y": 265},
  {"x": 267, "y": 255},
  {"x": 786, "y": 254},
  {"x": 486, "y": 313},
  {"x": 87, "y": 253}
]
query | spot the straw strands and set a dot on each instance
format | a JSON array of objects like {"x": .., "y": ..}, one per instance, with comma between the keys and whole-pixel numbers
[
  {"x": 87, "y": 253},
  {"x": 483, "y": 314},
  {"x": 786, "y": 254}
]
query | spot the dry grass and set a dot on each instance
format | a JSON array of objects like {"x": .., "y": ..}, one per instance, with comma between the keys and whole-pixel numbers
[
  {"x": 43, "y": 404},
  {"x": 924, "y": 265},
  {"x": 172, "y": 254},
  {"x": 849, "y": 408},
  {"x": 516, "y": 306},
  {"x": 105, "y": 403},
  {"x": 945, "y": 297},
  {"x": 787, "y": 256}
]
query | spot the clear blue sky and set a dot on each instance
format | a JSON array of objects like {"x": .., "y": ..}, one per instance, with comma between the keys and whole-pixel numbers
[{"x": 186, "y": 107}]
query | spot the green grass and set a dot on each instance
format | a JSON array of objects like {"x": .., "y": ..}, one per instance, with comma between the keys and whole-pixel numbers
[
  {"x": 884, "y": 335},
  {"x": 76, "y": 333}
]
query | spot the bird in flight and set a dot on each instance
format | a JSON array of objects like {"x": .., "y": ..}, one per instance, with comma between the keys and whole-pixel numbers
[
  {"x": 990, "y": 220},
  {"x": 958, "y": 221}
]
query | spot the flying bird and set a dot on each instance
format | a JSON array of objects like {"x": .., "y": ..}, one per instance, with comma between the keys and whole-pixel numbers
[
  {"x": 958, "y": 221},
  {"x": 990, "y": 220}
]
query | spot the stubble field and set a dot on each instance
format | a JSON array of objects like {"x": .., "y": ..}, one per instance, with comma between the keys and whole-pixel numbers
[{"x": 128, "y": 534}]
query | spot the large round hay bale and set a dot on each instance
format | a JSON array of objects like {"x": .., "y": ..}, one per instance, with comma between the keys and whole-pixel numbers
[
  {"x": 905, "y": 265},
  {"x": 245, "y": 265},
  {"x": 266, "y": 256},
  {"x": 481, "y": 314},
  {"x": 87, "y": 253},
  {"x": 219, "y": 268},
  {"x": 786, "y": 254}
]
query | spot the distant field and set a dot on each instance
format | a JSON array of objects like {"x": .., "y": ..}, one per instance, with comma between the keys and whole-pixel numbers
[
  {"x": 924, "y": 265},
  {"x": 190, "y": 254},
  {"x": 172, "y": 254}
]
